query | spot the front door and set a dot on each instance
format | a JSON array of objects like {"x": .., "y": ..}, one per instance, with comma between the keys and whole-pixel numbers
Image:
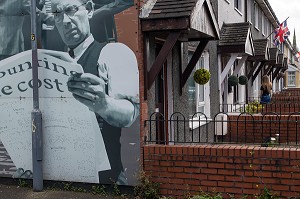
[{"x": 161, "y": 103}]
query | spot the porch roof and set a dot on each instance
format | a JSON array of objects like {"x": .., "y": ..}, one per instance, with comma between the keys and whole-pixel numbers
[
  {"x": 194, "y": 18},
  {"x": 273, "y": 52},
  {"x": 285, "y": 64},
  {"x": 236, "y": 38},
  {"x": 292, "y": 68},
  {"x": 260, "y": 49},
  {"x": 172, "y": 21},
  {"x": 280, "y": 60}
]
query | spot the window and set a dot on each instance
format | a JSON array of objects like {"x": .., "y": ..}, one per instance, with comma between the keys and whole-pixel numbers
[
  {"x": 198, "y": 94},
  {"x": 249, "y": 8},
  {"x": 263, "y": 25},
  {"x": 256, "y": 15},
  {"x": 291, "y": 78},
  {"x": 266, "y": 26},
  {"x": 237, "y": 4}
]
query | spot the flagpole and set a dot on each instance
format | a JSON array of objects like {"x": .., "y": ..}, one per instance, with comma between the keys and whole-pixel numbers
[{"x": 275, "y": 29}]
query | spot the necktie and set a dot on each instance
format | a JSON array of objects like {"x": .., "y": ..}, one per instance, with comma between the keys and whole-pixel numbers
[{"x": 71, "y": 53}]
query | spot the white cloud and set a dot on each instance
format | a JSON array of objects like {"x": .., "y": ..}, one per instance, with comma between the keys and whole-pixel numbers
[{"x": 284, "y": 9}]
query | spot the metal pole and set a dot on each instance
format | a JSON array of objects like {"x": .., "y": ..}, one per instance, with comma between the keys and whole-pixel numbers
[{"x": 36, "y": 115}]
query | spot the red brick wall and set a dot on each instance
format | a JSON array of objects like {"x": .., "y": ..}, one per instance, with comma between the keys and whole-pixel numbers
[
  {"x": 247, "y": 129},
  {"x": 234, "y": 170},
  {"x": 286, "y": 99},
  {"x": 281, "y": 108}
]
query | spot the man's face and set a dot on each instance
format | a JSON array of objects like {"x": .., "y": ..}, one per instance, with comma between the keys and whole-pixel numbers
[{"x": 72, "y": 20}]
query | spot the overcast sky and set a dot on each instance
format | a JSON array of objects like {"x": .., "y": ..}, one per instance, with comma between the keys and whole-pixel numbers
[{"x": 288, "y": 8}]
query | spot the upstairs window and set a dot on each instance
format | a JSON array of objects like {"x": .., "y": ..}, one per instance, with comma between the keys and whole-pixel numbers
[
  {"x": 256, "y": 15},
  {"x": 238, "y": 5},
  {"x": 266, "y": 26},
  {"x": 249, "y": 9},
  {"x": 263, "y": 25}
]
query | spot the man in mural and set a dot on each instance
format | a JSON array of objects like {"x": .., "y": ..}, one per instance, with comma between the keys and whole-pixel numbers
[
  {"x": 103, "y": 23},
  {"x": 109, "y": 84},
  {"x": 12, "y": 16}
]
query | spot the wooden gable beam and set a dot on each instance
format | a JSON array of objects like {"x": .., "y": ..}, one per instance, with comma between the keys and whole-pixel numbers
[
  {"x": 228, "y": 67},
  {"x": 266, "y": 72},
  {"x": 162, "y": 57},
  {"x": 240, "y": 64},
  {"x": 257, "y": 72},
  {"x": 192, "y": 63},
  {"x": 257, "y": 63},
  {"x": 276, "y": 73},
  {"x": 270, "y": 71}
]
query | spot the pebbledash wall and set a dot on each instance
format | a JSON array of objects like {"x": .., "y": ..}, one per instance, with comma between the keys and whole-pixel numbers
[{"x": 233, "y": 170}]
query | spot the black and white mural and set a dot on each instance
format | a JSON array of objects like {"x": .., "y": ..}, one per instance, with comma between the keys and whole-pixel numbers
[{"x": 88, "y": 92}]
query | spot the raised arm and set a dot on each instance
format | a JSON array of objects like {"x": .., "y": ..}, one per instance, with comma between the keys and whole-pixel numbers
[
  {"x": 114, "y": 95},
  {"x": 111, "y": 7}
]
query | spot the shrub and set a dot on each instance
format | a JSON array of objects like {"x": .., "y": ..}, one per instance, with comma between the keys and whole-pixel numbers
[
  {"x": 233, "y": 80},
  {"x": 201, "y": 76},
  {"x": 243, "y": 79},
  {"x": 146, "y": 189},
  {"x": 252, "y": 107}
]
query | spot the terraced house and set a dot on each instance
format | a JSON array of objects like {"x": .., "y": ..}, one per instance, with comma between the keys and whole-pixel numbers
[
  {"x": 228, "y": 38},
  {"x": 237, "y": 40}
]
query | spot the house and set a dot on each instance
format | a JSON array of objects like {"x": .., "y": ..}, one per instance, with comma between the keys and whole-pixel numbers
[
  {"x": 235, "y": 38},
  {"x": 175, "y": 108},
  {"x": 177, "y": 34},
  {"x": 292, "y": 77}
]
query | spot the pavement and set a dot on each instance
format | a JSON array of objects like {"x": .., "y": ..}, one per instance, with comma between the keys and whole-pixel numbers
[{"x": 10, "y": 191}]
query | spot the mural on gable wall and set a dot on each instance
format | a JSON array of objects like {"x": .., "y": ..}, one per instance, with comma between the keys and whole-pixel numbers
[{"x": 88, "y": 89}]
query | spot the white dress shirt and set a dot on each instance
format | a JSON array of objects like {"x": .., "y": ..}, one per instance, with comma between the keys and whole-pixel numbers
[{"x": 117, "y": 62}]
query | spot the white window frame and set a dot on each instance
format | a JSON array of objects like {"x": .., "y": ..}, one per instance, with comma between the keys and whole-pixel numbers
[
  {"x": 194, "y": 122},
  {"x": 263, "y": 25},
  {"x": 291, "y": 78},
  {"x": 249, "y": 11},
  {"x": 266, "y": 28},
  {"x": 256, "y": 17},
  {"x": 238, "y": 6}
]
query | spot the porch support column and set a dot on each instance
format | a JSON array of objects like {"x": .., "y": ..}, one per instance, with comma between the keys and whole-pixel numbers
[
  {"x": 240, "y": 64},
  {"x": 257, "y": 63},
  {"x": 162, "y": 57},
  {"x": 257, "y": 72},
  {"x": 228, "y": 66}
]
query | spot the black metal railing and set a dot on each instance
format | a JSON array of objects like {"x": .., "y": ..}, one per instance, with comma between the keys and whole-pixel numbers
[
  {"x": 268, "y": 129},
  {"x": 254, "y": 107}
]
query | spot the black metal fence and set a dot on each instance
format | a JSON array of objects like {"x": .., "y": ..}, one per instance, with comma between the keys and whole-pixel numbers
[
  {"x": 255, "y": 107},
  {"x": 268, "y": 129}
]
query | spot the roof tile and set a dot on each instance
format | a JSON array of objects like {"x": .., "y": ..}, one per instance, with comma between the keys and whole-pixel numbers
[
  {"x": 172, "y": 8},
  {"x": 234, "y": 34}
]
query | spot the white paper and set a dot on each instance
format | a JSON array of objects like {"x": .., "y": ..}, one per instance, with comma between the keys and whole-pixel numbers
[{"x": 72, "y": 142}]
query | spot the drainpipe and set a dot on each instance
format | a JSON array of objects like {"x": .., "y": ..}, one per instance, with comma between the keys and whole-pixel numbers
[{"x": 36, "y": 115}]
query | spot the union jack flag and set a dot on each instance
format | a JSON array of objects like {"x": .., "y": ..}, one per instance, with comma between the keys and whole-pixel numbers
[{"x": 281, "y": 33}]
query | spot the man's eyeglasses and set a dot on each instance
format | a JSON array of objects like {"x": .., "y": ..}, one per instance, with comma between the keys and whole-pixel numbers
[{"x": 70, "y": 11}]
